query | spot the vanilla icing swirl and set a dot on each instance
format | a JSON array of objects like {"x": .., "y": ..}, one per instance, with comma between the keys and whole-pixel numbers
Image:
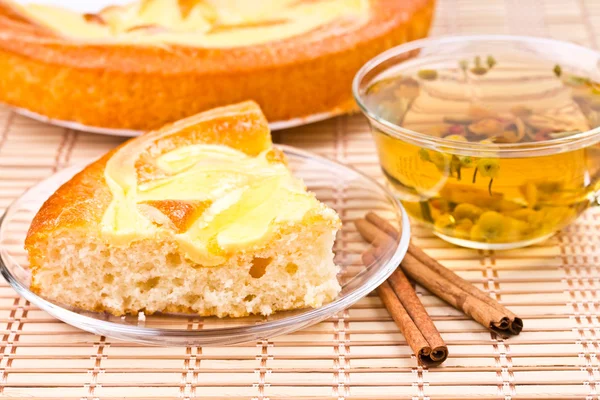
[
  {"x": 243, "y": 198},
  {"x": 198, "y": 23}
]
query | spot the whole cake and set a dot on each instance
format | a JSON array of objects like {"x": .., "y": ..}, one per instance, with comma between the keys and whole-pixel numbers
[
  {"x": 152, "y": 62},
  {"x": 202, "y": 216}
]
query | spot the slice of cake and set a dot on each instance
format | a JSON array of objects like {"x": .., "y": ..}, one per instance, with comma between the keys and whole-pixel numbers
[{"x": 202, "y": 216}]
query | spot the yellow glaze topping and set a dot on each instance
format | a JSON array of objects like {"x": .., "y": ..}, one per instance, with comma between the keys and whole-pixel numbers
[
  {"x": 245, "y": 197},
  {"x": 199, "y": 23}
]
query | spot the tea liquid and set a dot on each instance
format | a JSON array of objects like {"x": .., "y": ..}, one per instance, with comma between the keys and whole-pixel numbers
[{"x": 482, "y": 197}]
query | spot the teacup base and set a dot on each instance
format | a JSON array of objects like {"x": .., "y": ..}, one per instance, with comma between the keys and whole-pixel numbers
[{"x": 492, "y": 246}]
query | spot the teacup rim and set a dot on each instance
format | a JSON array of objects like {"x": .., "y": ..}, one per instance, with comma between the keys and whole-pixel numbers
[{"x": 529, "y": 149}]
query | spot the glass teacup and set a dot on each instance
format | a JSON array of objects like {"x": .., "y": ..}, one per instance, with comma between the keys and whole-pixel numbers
[{"x": 490, "y": 141}]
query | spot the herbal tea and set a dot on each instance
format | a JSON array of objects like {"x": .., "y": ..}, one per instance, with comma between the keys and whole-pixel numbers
[{"x": 488, "y": 198}]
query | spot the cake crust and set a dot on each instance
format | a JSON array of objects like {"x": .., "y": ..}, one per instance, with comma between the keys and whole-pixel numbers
[{"x": 143, "y": 87}]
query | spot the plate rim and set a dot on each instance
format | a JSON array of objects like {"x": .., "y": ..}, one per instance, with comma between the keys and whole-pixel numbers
[
  {"x": 294, "y": 322},
  {"x": 121, "y": 132}
]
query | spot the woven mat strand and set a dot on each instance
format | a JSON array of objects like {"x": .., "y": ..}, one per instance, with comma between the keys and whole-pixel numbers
[{"x": 360, "y": 354}]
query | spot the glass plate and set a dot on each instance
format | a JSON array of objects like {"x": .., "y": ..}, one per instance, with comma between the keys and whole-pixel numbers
[
  {"x": 349, "y": 192},
  {"x": 275, "y": 126}
]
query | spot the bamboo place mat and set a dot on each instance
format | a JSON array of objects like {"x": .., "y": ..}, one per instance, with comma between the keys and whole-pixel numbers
[{"x": 359, "y": 354}]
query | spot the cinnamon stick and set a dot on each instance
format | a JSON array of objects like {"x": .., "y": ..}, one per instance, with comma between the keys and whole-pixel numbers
[
  {"x": 382, "y": 224},
  {"x": 403, "y": 304},
  {"x": 515, "y": 324},
  {"x": 503, "y": 322},
  {"x": 411, "y": 302},
  {"x": 444, "y": 283}
]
